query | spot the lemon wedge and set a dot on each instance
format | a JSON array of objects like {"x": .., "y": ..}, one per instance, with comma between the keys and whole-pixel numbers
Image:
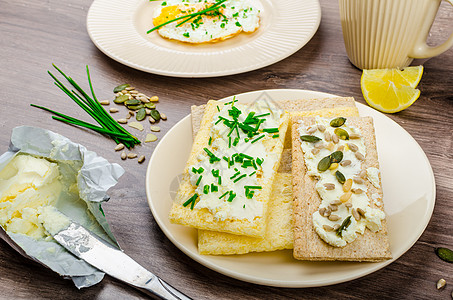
[{"x": 391, "y": 90}]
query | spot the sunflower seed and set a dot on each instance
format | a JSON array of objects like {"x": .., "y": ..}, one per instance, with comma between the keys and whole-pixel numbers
[
  {"x": 311, "y": 130},
  {"x": 361, "y": 212},
  {"x": 328, "y": 212},
  {"x": 151, "y": 120},
  {"x": 347, "y": 185},
  {"x": 315, "y": 151},
  {"x": 358, "y": 180},
  {"x": 114, "y": 110},
  {"x": 133, "y": 92},
  {"x": 357, "y": 191},
  {"x": 348, "y": 205},
  {"x": 141, "y": 159},
  {"x": 155, "y": 128},
  {"x": 336, "y": 227},
  {"x": 322, "y": 211},
  {"x": 136, "y": 125},
  {"x": 353, "y": 147},
  {"x": 340, "y": 148},
  {"x": 129, "y": 88},
  {"x": 335, "y": 139},
  {"x": 132, "y": 155},
  {"x": 363, "y": 174},
  {"x": 327, "y": 136},
  {"x": 329, "y": 186},
  {"x": 123, "y": 155},
  {"x": 356, "y": 215},
  {"x": 337, "y": 122},
  {"x": 345, "y": 197},
  {"x": 345, "y": 163},
  {"x": 336, "y": 202},
  {"x": 359, "y": 156},
  {"x": 154, "y": 99},
  {"x": 128, "y": 116},
  {"x": 147, "y": 110},
  {"x": 119, "y": 147},
  {"x": 321, "y": 128},
  {"x": 163, "y": 116},
  {"x": 441, "y": 283},
  {"x": 122, "y": 121},
  {"x": 104, "y": 102},
  {"x": 327, "y": 228},
  {"x": 354, "y": 136},
  {"x": 333, "y": 207},
  {"x": 334, "y": 218},
  {"x": 143, "y": 99}
]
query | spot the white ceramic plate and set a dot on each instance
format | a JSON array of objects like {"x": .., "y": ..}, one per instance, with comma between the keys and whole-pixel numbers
[
  {"x": 118, "y": 28},
  {"x": 409, "y": 196}
]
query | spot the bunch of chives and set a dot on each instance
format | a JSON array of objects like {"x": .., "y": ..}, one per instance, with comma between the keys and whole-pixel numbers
[{"x": 91, "y": 105}]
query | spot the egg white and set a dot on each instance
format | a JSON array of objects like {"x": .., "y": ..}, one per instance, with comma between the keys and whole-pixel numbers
[{"x": 237, "y": 16}]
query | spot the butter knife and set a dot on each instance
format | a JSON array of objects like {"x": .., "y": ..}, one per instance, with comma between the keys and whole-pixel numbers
[{"x": 98, "y": 253}]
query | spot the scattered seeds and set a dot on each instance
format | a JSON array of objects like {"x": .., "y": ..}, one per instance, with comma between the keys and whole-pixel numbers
[
  {"x": 336, "y": 202},
  {"x": 357, "y": 191},
  {"x": 445, "y": 254},
  {"x": 354, "y": 136},
  {"x": 121, "y": 99},
  {"x": 155, "y": 128},
  {"x": 342, "y": 134},
  {"x": 154, "y": 99},
  {"x": 345, "y": 197},
  {"x": 311, "y": 130},
  {"x": 150, "y": 105},
  {"x": 340, "y": 177},
  {"x": 310, "y": 138},
  {"x": 337, "y": 122},
  {"x": 345, "y": 163},
  {"x": 358, "y": 180},
  {"x": 333, "y": 207},
  {"x": 122, "y": 121},
  {"x": 128, "y": 116},
  {"x": 334, "y": 218},
  {"x": 327, "y": 228},
  {"x": 347, "y": 185},
  {"x": 119, "y": 147},
  {"x": 150, "y": 138},
  {"x": 335, "y": 139},
  {"x": 123, "y": 155},
  {"x": 151, "y": 120},
  {"x": 324, "y": 164},
  {"x": 104, "y": 102},
  {"x": 132, "y": 155},
  {"x": 348, "y": 205},
  {"x": 114, "y": 110},
  {"x": 353, "y": 147},
  {"x": 359, "y": 156},
  {"x": 441, "y": 283},
  {"x": 322, "y": 211},
  {"x": 141, "y": 114},
  {"x": 141, "y": 159},
  {"x": 361, "y": 212},
  {"x": 321, "y": 128},
  {"x": 356, "y": 215},
  {"x": 329, "y": 186},
  {"x": 155, "y": 114},
  {"x": 136, "y": 125}
]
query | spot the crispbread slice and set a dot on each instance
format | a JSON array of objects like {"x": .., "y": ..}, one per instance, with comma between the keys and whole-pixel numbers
[
  {"x": 279, "y": 230},
  {"x": 202, "y": 218},
  {"x": 307, "y": 244}
]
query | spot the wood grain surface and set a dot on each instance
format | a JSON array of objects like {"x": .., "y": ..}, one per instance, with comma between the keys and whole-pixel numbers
[{"x": 35, "y": 34}]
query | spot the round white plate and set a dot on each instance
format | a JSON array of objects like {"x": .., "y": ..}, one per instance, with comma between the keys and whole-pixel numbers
[
  {"x": 409, "y": 196},
  {"x": 118, "y": 28}
]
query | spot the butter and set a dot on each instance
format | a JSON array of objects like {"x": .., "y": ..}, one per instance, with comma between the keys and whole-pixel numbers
[
  {"x": 313, "y": 153},
  {"x": 223, "y": 147},
  {"x": 27, "y": 183},
  {"x": 52, "y": 220}
]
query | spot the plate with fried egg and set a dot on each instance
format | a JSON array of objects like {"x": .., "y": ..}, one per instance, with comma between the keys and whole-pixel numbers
[{"x": 201, "y": 38}]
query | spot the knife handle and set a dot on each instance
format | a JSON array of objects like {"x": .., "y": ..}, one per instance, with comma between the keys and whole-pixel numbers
[{"x": 158, "y": 287}]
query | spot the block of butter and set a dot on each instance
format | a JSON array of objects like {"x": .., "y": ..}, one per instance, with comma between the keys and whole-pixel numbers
[{"x": 43, "y": 170}]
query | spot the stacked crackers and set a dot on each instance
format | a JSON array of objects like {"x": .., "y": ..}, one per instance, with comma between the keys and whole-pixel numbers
[{"x": 292, "y": 198}]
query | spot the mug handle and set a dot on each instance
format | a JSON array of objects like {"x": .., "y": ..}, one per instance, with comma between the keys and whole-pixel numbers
[{"x": 421, "y": 49}]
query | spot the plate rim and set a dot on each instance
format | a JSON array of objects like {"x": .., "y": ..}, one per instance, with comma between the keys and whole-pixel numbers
[
  {"x": 207, "y": 74},
  {"x": 277, "y": 283}
]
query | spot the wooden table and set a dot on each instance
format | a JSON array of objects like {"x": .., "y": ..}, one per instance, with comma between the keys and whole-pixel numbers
[{"x": 35, "y": 34}]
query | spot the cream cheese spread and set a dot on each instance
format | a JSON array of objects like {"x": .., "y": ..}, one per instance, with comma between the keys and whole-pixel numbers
[
  {"x": 27, "y": 184},
  {"x": 345, "y": 208},
  {"x": 227, "y": 175}
]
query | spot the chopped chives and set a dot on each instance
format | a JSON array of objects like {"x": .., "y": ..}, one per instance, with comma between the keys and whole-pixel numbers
[
  {"x": 193, "y": 203},
  {"x": 262, "y": 115},
  {"x": 275, "y": 136},
  {"x": 270, "y": 130},
  {"x": 256, "y": 187},
  {"x": 215, "y": 173},
  {"x": 206, "y": 189},
  {"x": 191, "y": 200},
  {"x": 235, "y": 174},
  {"x": 231, "y": 197},
  {"x": 199, "y": 180},
  {"x": 252, "y": 173},
  {"x": 258, "y": 138},
  {"x": 219, "y": 181},
  {"x": 214, "y": 188},
  {"x": 259, "y": 161},
  {"x": 210, "y": 141},
  {"x": 236, "y": 141},
  {"x": 239, "y": 178},
  {"x": 245, "y": 156},
  {"x": 231, "y": 102},
  {"x": 218, "y": 121},
  {"x": 229, "y": 142},
  {"x": 218, "y": 109},
  {"x": 224, "y": 194}
]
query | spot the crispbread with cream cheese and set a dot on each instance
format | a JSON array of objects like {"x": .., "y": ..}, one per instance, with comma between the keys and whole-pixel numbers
[
  {"x": 307, "y": 244},
  {"x": 279, "y": 231},
  {"x": 203, "y": 218}
]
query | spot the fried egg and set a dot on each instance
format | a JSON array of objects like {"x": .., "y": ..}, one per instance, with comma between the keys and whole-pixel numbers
[{"x": 231, "y": 18}]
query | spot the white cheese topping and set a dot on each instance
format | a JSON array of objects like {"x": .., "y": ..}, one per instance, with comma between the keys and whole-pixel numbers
[
  {"x": 236, "y": 181},
  {"x": 337, "y": 204}
]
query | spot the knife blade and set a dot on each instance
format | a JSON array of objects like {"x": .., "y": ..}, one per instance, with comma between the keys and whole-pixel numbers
[{"x": 98, "y": 253}]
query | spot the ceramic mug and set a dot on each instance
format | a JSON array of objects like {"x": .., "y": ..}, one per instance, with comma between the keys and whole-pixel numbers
[{"x": 389, "y": 33}]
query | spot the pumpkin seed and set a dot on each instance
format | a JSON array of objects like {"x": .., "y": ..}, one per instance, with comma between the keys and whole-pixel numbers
[
  {"x": 132, "y": 102},
  {"x": 141, "y": 159},
  {"x": 309, "y": 138},
  {"x": 141, "y": 114},
  {"x": 150, "y": 138},
  {"x": 123, "y": 155},
  {"x": 121, "y": 99},
  {"x": 340, "y": 177},
  {"x": 337, "y": 122},
  {"x": 336, "y": 157},
  {"x": 342, "y": 134},
  {"x": 445, "y": 254},
  {"x": 150, "y": 105},
  {"x": 119, "y": 147},
  {"x": 324, "y": 164},
  {"x": 155, "y": 128},
  {"x": 333, "y": 166},
  {"x": 135, "y": 107},
  {"x": 121, "y": 87},
  {"x": 136, "y": 125},
  {"x": 155, "y": 114},
  {"x": 343, "y": 226}
]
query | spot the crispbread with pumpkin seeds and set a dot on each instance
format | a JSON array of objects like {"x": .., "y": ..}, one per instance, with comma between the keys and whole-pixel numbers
[
  {"x": 220, "y": 218},
  {"x": 307, "y": 243}
]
